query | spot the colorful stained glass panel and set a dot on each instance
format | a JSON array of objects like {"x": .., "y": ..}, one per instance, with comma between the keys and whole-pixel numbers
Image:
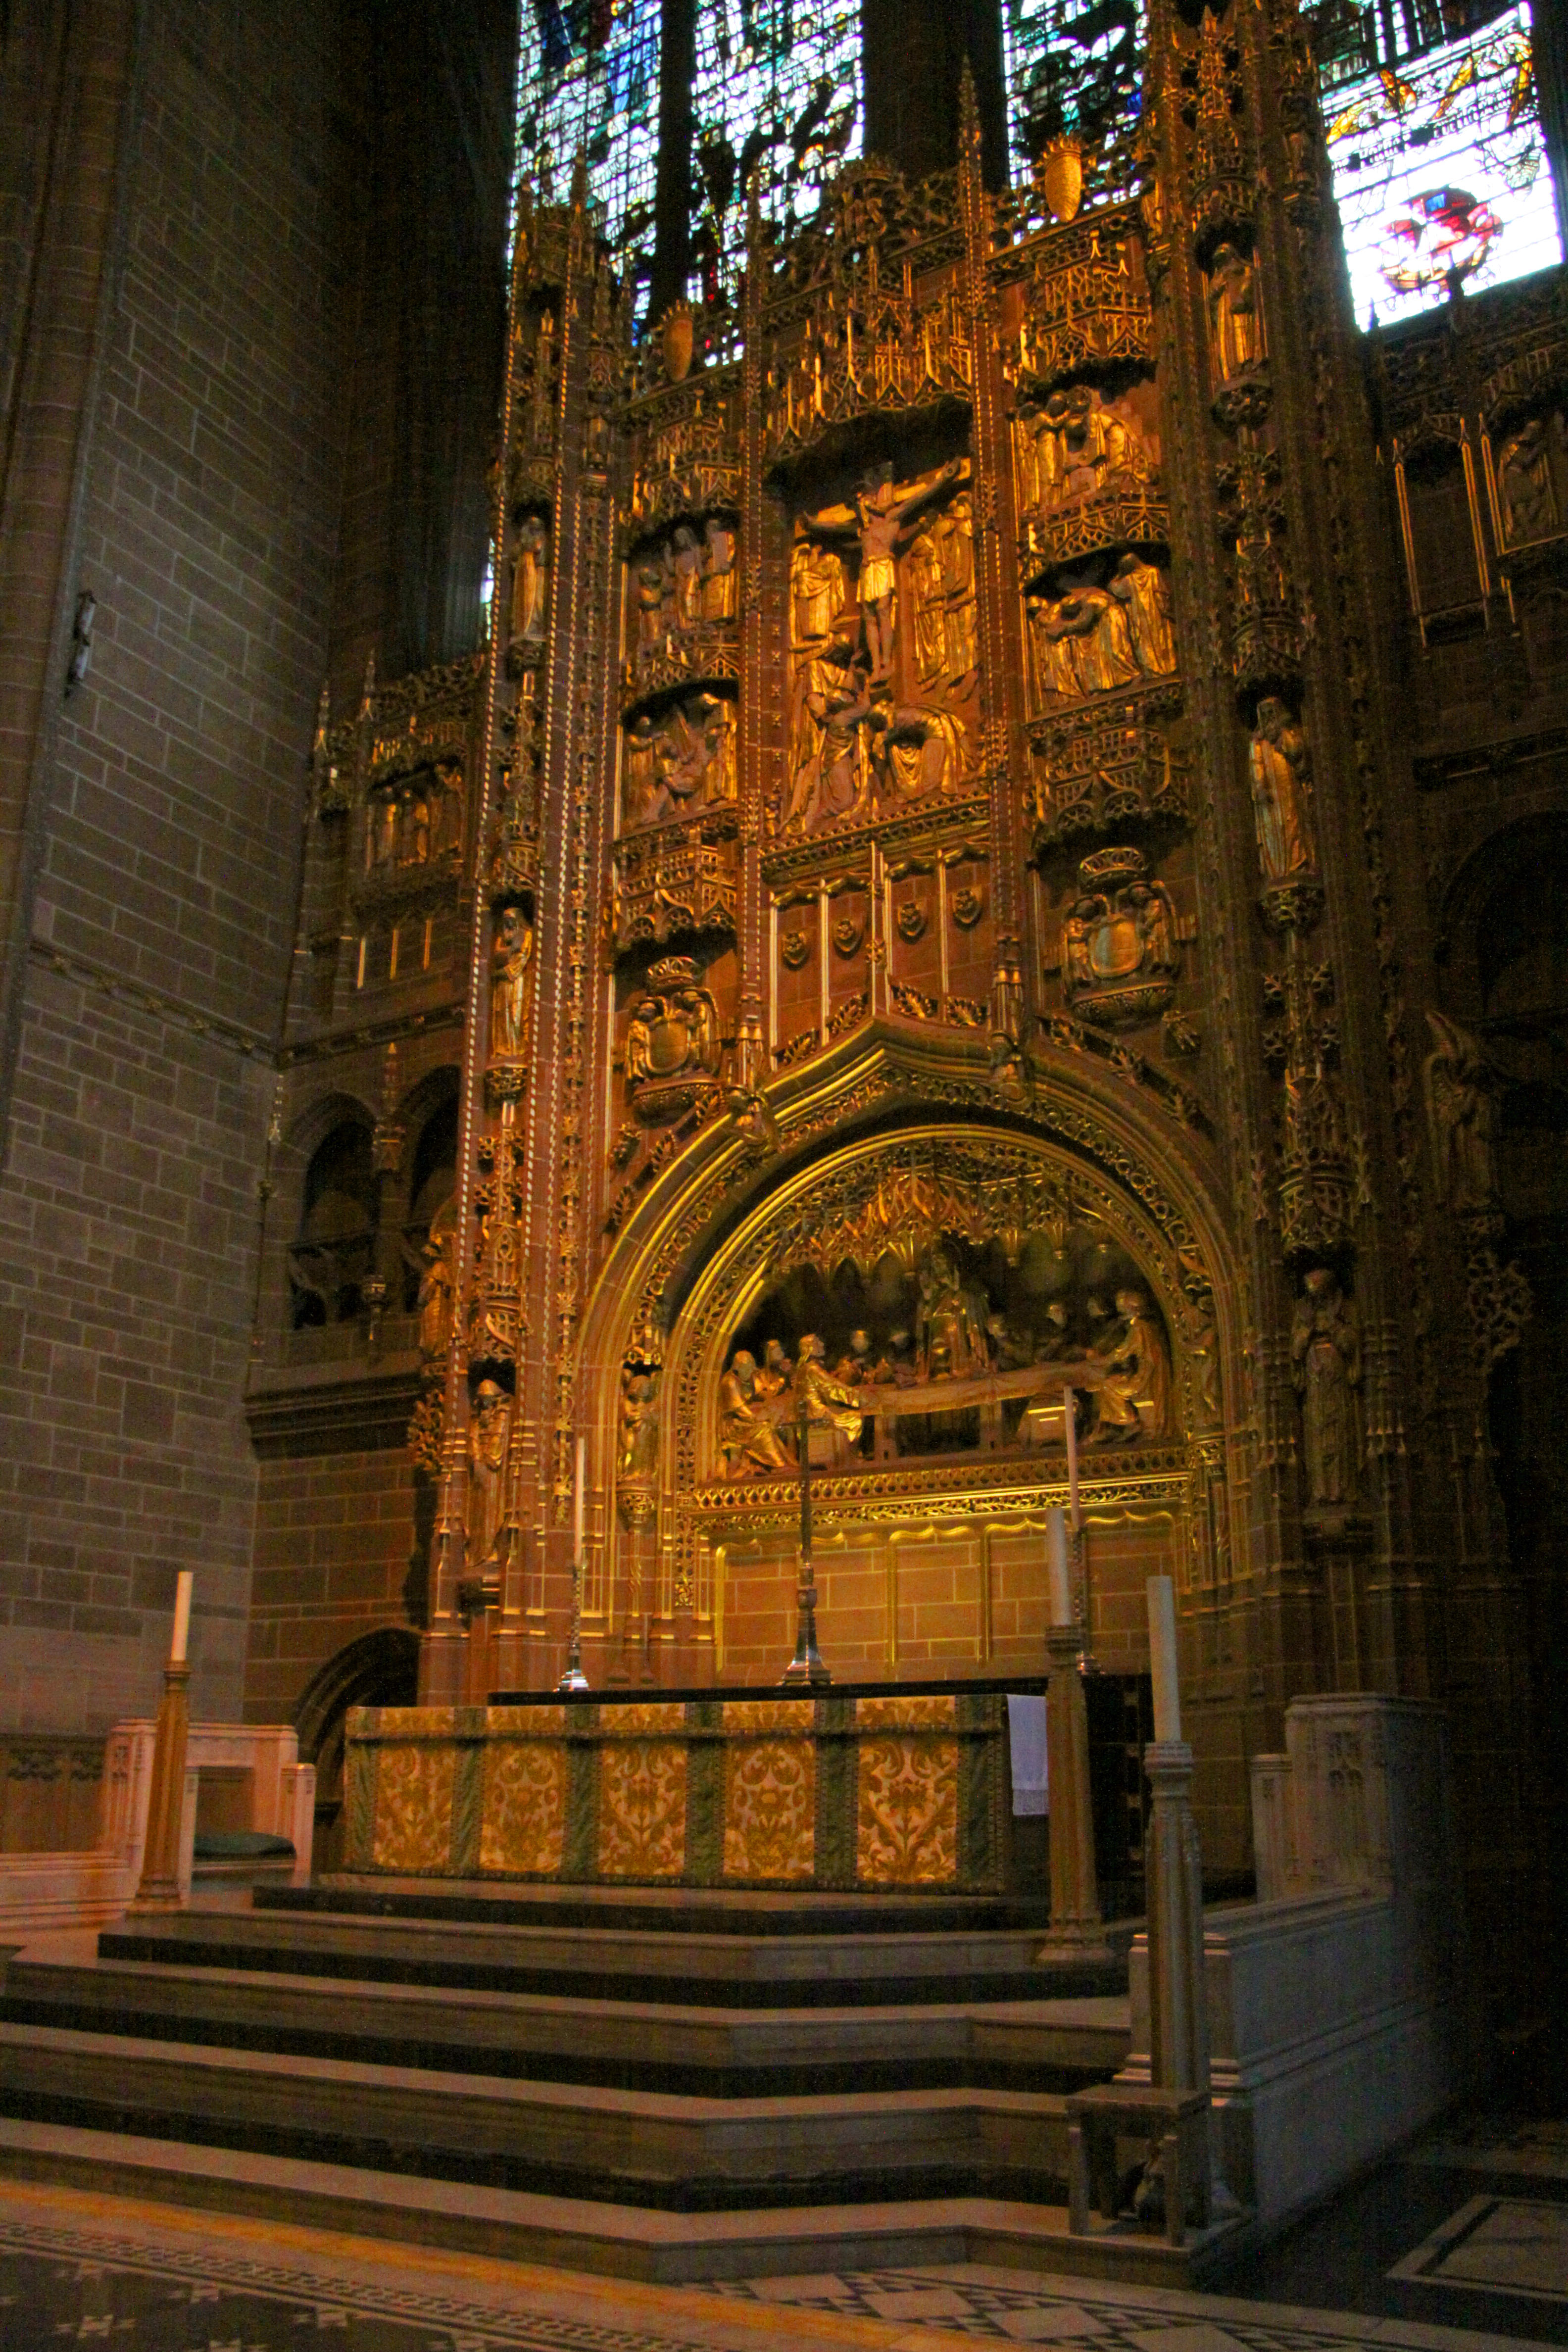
[
  {"x": 1439, "y": 168},
  {"x": 777, "y": 91},
  {"x": 588, "y": 81}
]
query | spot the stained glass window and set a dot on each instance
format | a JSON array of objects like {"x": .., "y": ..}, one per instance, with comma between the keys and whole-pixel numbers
[
  {"x": 588, "y": 79},
  {"x": 776, "y": 91},
  {"x": 1072, "y": 71},
  {"x": 1439, "y": 165}
]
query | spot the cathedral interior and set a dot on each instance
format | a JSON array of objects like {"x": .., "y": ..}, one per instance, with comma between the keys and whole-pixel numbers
[{"x": 745, "y": 751}]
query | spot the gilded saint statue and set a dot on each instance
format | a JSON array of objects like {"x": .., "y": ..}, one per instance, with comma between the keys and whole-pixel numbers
[
  {"x": 1462, "y": 1112},
  {"x": 490, "y": 1426},
  {"x": 438, "y": 1290},
  {"x": 719, "y": 570},
  {"x": 686, "y": 572},
  {"x": 916, "y": 749},
  {"x": 1236, "y": 315},
  {"x": 642, "y": 795},
  {"x": 956, "y": 548},
  {"x": 878, "y": 519},
  {"x": 511, "y": 984},
  {"x": 1082, "y": 644},
  {"x": 1325, "y": 1349},
  {"x": 1133, "y": 1398},
  {"x": 1143, "y": 593},
  {"x": 530, "y": 579},
  {"x": 748, "y": 1436},
  {"x": 929, "y": 597},
  {"x": 819, "y": 1397},
  {"x": 1281, "y": 764},
  {"x": 817, "y": 592}
]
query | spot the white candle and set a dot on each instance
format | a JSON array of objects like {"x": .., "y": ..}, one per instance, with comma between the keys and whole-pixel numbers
[
  {"x": 181, "y": 1641},
  {"x": 579, "y": 1504},
  {"x": 1056, "y": 1561},
  {"x": 1163, "y": 1658},
  {"x": 1070, "y": 1423}
]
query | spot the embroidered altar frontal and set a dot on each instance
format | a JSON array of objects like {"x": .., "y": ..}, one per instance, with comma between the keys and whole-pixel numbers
[{"x": 836, "y": 1790}]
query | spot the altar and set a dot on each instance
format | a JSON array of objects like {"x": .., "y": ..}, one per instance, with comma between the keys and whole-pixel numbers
[{"x": 858, "y": 1787}]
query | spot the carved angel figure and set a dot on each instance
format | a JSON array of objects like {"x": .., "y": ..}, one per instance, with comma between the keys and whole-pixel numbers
[
  {"x": 1461, "y": 1113},
  {"x": 1325, "y": 1349}
]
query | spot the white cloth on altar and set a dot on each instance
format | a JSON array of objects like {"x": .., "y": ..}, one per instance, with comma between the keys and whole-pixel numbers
[{"x": 1026, "y": 1749}]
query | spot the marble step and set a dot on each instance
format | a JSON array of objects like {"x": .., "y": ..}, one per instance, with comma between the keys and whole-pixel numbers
[
  {"x": 641, "y": 2147},
  {"x": 611, "y": 1963},
  {"x": 722, "y": 2052},
  {"x": 621, "y": 2241}
]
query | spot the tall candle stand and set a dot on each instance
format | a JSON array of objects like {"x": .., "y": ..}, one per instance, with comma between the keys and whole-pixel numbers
[
  {"x": 806, "y": 1665},
  {"x": 159, "y": 1889}
]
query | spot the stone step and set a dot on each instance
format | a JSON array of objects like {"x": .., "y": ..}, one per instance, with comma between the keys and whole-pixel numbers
[
  {"x": 619, "y": 2240},
  {"x": 643, "y": 2148},
  {"x": 720, "y": 2052},
  {"x": 613, "y": 1963},
  {"x": 675, "y": 1910}
]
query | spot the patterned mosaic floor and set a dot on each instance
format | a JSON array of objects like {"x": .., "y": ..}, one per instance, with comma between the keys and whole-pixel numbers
[{"x": 77, "y": 2268}]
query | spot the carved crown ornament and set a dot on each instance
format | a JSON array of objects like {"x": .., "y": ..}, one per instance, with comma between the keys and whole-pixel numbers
[
  {"x": 1085, "y": 305},
  {"x": 1120, "y": 949},
  {"x": 866, "y": 349}
]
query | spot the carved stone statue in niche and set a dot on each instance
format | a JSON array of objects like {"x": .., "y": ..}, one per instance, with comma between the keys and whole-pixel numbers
[
  {"x": 511, "y": 984},
  {"x": 1281, "y": 765},
  {"x": 1527, "y": 495},
  {"x": 929, "y": 597},
  {"x": 490, "y": 1426},
  {"x": 1325, "y": 1349},
  {"x": 637, "y": 1455},
  {"x": 719, "y": 600},
  {"x": 878, "y": 520},
  {"x": 1143, "y": 593},
  {"x": 1075, "y": 448},
  {"x": 748, "y": 1434},
  {"x": 530, "y": 579},
  {"x": 649, "y": 587},
  {"x": 954, "y": 536},
  {"x": 672, "y": 1042},
  {"x": 437, "y": 1289},
  {"x": 915, "y": 750},
  {"x": 817, "y": 594},
  {"x": 1235, "y": 313},
  {"x": 1118, "y": 953},
  {"x": 641, "y": 793},
  {"x": 1461, "y": 1113},
  {"x": 1133, "y": 1398},
  {"x": 1082, "y": 644},
  {"x": 686, "y": 576},
  {"x": 832, "y": 780},
  {"x": 684, "y": 762}
]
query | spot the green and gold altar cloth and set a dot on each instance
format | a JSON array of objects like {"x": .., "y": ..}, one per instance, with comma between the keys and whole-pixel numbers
[{"x": 834, "y": 1790}]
